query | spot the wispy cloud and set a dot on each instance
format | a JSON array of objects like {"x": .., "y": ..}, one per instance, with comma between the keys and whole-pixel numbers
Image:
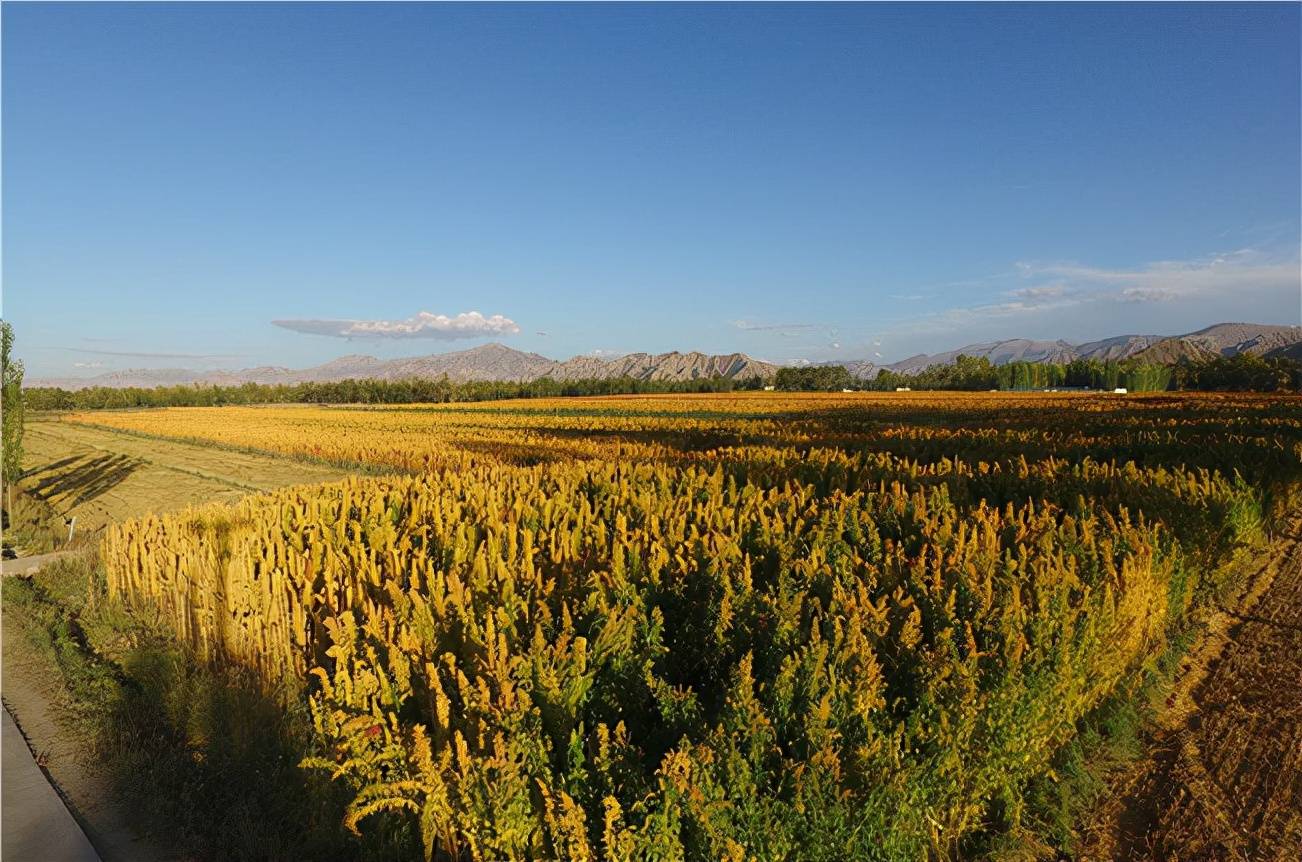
[
  {"x": 1217, "y": 275},
  {"x": 88, "y": 365},
  {"x": 141, "y": 354},
  {"x": 1260, "y": 282},
  {"x": 1247, "y": 273},
  {"x": 1039, "y": 292},
  {"x": 780, "y": 328},
  {"x": 470, "y": 324}
]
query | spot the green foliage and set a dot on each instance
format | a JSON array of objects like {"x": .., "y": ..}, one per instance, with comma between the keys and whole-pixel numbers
[
  {"x": 11, "y": 407},
  {"x": 965, "y": 373},
  {"x": 800, "y": 652},
  {"x": 198, "y": 757},
  {"x": 815, "y": 378},
  {"x": 414, "y": 391},
  {"x": 1241, "y": 373}
]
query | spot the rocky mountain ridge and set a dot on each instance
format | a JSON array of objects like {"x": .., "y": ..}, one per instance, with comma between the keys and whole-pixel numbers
[{"x": 499, "y": 362}]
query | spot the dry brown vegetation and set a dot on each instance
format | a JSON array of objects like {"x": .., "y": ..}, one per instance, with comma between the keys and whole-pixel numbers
[{"x": 1224, "y": 779}]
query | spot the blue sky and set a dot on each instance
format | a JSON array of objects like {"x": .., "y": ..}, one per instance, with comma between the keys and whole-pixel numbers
[{"x": 795, "y": 182}]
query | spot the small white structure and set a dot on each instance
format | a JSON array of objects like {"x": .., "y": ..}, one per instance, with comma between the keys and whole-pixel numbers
[
  {"x": 903, "y": 389},
  {"x": 769, "y": 388},
  {"x": 1120, "y": 390}
]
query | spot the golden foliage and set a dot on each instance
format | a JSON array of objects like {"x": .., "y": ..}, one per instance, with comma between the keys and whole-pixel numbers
[{"x": 716, "y": 628}]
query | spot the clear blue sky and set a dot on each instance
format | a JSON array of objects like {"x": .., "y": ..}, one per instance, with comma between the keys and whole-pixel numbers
[{"x": 796, "y": 182}]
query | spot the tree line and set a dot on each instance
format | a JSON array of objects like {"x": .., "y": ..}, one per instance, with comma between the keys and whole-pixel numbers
[
  {"x": 976, "y": 373},
  {"x": 1242, "y": 373},
  {"x": 414, "y": 391}
]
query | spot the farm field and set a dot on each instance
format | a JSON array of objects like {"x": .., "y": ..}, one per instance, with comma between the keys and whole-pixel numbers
[
  {"x": 712, "y": 627},
  {"x": 719, "y": 626},
  {"x": 711, "y": 428},
  {"x": 102, "y": 478}
]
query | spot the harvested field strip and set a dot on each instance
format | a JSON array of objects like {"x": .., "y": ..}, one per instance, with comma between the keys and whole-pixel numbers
[
  {"x": 104, "y": 477},
  {"x": 1225, "y": 777}
]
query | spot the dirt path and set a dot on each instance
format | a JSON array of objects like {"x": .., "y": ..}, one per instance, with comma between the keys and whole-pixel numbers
[
  {"x": 1225, "y": 779},
  {"x": 36, "y": 825},
  {"x": 34, "y": 705},
  {"x": 67, "y": 761},
  {"x": 27, "y": 565}
]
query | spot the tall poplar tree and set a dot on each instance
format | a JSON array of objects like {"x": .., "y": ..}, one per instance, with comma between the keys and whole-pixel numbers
[{"x": 11, "y": 406}]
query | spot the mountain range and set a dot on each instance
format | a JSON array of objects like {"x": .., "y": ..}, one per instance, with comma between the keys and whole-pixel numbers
[
  {"x": 1222, "y": 339},
  {"x": 499, "y": 362}
]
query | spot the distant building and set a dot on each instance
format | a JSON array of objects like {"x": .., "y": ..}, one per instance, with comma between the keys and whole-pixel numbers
[
  {"x": 1120, "y": 390},
  {"x": 903, "y": 389},
  {"x": 769, "y": 388}
]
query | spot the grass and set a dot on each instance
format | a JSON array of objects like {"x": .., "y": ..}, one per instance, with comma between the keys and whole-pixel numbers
[
  {"x": 33, "y": 526},
  {"x": 198, "y": 757},
  {"x": 103, "y": 477},
  {"x": 1113, "y": 740}
]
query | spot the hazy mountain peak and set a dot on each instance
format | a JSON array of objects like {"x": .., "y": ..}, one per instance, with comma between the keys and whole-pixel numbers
[{"x": 496, "y": 361}]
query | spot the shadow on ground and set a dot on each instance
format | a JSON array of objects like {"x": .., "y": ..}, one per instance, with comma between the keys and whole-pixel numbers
[{"x": 81, "y": 478}]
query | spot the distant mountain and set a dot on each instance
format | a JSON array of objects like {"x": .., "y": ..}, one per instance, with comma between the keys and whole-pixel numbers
[
  {"x": 499, "y": 362},
  {"x": 998, "y": 352},
  {"x": 666, "y": 366},
  {"x": 1223, "y": 339},
  {"x": 486, "y": 362},
  {"x": 1292, "y": 351},
  {"x": 1230, "y": 339},
  {"x": 1169, "y": 351},
  {"x": 1117, "y": 347}
]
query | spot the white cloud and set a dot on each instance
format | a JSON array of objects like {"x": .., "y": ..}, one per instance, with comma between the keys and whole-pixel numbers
[
  {"x": 1245, "y": 276},
  {"x": 1222, "y": 274},
  {"x": 1043, "y": 291},
  {"x": 470, "y": 324},
  {"x": 88, "y": 365}
]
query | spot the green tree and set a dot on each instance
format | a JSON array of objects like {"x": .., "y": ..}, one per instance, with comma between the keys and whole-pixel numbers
[{"x": 11, "y": 406}]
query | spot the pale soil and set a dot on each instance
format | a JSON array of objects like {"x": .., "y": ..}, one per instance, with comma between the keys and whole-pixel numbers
[{"x": 1224, "y": 777}]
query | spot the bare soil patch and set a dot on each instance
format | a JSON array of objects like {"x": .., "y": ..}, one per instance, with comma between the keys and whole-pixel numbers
[{"x": 1224, "y": 780}]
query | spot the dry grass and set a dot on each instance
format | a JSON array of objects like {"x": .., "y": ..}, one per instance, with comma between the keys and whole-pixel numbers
[
  {"x": 102, "y": 477},
  {"x": 1224, "y": 776}
]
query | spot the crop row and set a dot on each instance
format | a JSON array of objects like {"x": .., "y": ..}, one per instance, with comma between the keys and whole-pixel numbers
[{"x": 841, "y": 644}]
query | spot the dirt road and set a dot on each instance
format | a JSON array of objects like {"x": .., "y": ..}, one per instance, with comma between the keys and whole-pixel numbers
[{"x": 1224, "y": 781}]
